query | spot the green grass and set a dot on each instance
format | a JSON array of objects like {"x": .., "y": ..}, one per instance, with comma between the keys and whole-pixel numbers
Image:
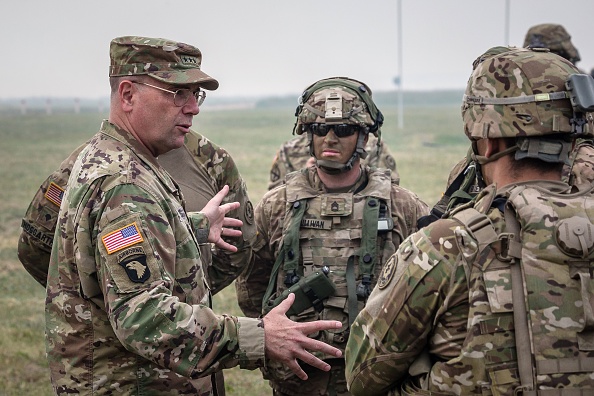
[{"x": 33, "y": 146}]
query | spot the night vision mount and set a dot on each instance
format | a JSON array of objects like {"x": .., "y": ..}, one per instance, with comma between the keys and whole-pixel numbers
[{"x": 580, "y": 88}]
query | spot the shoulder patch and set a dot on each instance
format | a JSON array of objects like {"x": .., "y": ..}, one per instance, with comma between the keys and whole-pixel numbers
[
  {"x": 388, "y": 272},
  {"x": 274, "y": 172},
  {"x": 122, "y": 238},
  {"x": 133, "y": 260},
  {"x": 249, "y": 212},
  {"x": 390, "y": 162},
  {"x": 54, "y": 194}
]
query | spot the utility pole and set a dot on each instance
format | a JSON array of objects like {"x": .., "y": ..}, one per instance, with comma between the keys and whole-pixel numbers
[
  {"x": 506, "y": 24},
  {"x": 399, "y": 77}
]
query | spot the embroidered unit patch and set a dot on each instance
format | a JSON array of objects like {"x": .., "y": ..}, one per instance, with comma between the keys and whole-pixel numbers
[
  {"x": 122, "y": 238},
  {"x": 54, "y": 194}
]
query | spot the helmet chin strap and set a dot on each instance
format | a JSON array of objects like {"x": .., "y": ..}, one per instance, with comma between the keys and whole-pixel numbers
[
  {"x": 481, "y": 160},
  {"x": 334, "y": 167}
]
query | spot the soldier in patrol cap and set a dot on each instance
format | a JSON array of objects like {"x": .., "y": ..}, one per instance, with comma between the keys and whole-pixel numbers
[
  {"x": 326, "y": 233},
  {"x": 127, "y": 297},
  {"x": 200, "y": 167},
  {"x": 487, "y": 300}
]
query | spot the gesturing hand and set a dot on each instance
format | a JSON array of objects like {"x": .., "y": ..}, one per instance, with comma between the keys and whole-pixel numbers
[
  {"x": 219, "y": 223},
  {"x": 286, "y": 341}
]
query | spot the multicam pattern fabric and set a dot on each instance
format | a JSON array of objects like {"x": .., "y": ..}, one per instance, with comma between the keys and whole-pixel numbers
[
  {"x": 553, "y": 37},
  {"x": 136, "y": 320},
  {"x": 353, "y": 109},
  {"x": 579, "y": 171},
  {"x": 294, "y": 154},
  {"x": 165, "y": 60},
  {"x": 39, "y": 223},
  {"x": 324, "y": 240},
  {"x": 513, "y": 74},
  {"x": 441, "y": 319},
  {"x": 201, "y": 168}
]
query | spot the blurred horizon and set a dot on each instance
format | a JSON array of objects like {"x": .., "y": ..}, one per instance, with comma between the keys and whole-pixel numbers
[{"x": 272, "y": 48}]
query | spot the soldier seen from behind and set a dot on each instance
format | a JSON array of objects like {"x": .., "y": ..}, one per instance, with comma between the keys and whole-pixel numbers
[
  {"x": 497, "y": 297},
  {"x": 127, "y": 297},
  {"x": 326, "y": 233},
  {"x": 464, "y": 182}
]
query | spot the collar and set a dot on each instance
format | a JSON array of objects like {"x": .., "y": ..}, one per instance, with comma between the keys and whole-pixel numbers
[{"x": 145, "y": 156}]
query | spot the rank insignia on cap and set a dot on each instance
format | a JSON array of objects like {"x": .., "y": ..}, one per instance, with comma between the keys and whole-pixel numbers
[
  {"x": 122, "y": 238},
  {"x": 54, "y": 194}
]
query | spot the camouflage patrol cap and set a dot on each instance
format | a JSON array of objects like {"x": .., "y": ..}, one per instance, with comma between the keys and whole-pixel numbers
[
  {"x": 519, "y": 93},
  {"x": 165, "y": 60},
  {"x": 553, "y": 37},
  {"x": 338, "y": 100}
]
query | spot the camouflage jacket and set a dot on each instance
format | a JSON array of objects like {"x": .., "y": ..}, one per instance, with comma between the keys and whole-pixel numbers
[
  {"x": 328, "y": 236},
  {"x": 127, "y": 303},
  {"x": 428, "y": 327},
  {"x": 293, "y": 155},
  {"x": 201, "y": 169},
  {"x": 579, "y": 170}
]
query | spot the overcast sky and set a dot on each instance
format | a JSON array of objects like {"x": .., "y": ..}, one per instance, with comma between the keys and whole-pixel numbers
[{"x": 273, "y": 47}]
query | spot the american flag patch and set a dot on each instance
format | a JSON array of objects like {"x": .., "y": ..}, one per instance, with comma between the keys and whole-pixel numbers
[
  {"x": 54, "y": 194},
  {"x": 122, "y": 238}
]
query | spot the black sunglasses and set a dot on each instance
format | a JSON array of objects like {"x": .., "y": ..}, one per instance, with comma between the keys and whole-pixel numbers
[{"x": 340, "y": 130}]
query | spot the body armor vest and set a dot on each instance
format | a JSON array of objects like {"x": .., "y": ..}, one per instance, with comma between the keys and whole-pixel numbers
[
  {"x": 531, "y": 296},
  {"x": 345, "y": 232}
]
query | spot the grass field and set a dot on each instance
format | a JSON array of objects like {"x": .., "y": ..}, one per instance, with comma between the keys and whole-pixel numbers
[{"x": 33, "y": 146}]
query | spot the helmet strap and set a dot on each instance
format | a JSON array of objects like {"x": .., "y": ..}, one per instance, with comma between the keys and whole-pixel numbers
[
  {"x": 481, "y": 159},
  {"x": 333, "y": 167}
]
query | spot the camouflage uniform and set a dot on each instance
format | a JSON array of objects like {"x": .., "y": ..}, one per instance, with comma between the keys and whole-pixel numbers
[
  {"x": 126, "y": 283},
  {"x": 293, "y": 155},
  {"x": 327, "y": 244},
  {"x": 441, "y": 319},
  {"x": 430, "y": 325},
  {"x": 201, "y": 168},
  {"x": 334, "y": 228},
  {"x": 580, "y": 166},
  {"x": 127, "y": 299},
  {"x": 555, "y": 38}
]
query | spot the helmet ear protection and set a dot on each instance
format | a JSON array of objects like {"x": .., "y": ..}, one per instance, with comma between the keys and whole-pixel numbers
[{"x": 362, "y": 90}]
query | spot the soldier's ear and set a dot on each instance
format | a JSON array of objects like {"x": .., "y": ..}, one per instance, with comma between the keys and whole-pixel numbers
[
  {"x": 493, "y": 146},
  {"x": 126, "y": 92}
]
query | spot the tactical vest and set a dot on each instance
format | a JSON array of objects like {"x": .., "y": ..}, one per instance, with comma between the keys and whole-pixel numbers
[
  {"x": 350, "y": 233},
  {"x": 531, "y": 294}
]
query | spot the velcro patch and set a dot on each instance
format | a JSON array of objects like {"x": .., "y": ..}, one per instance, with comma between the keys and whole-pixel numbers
[
  {"x": 133, "y": 260},
  {"x": 34, "y": 232},
  {"x": 317, "y": 224},
  {"x": 54, "y": 194},
  {"x": 122, "y": 238},
  {"x": 336, "y": 206},
  {"x": 388, "y": 272}
]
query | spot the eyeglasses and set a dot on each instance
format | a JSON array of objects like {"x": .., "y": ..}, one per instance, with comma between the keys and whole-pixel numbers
[
  {"x": 340, "y": 130},
  {"x": 181, "y": 96}
]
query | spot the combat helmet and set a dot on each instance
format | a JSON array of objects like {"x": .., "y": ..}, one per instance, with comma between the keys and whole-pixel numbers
[
  {"x": 336, "y": 101},
  {"x": 553, "y": 37},
  {"x": 529, "y": 94}
]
